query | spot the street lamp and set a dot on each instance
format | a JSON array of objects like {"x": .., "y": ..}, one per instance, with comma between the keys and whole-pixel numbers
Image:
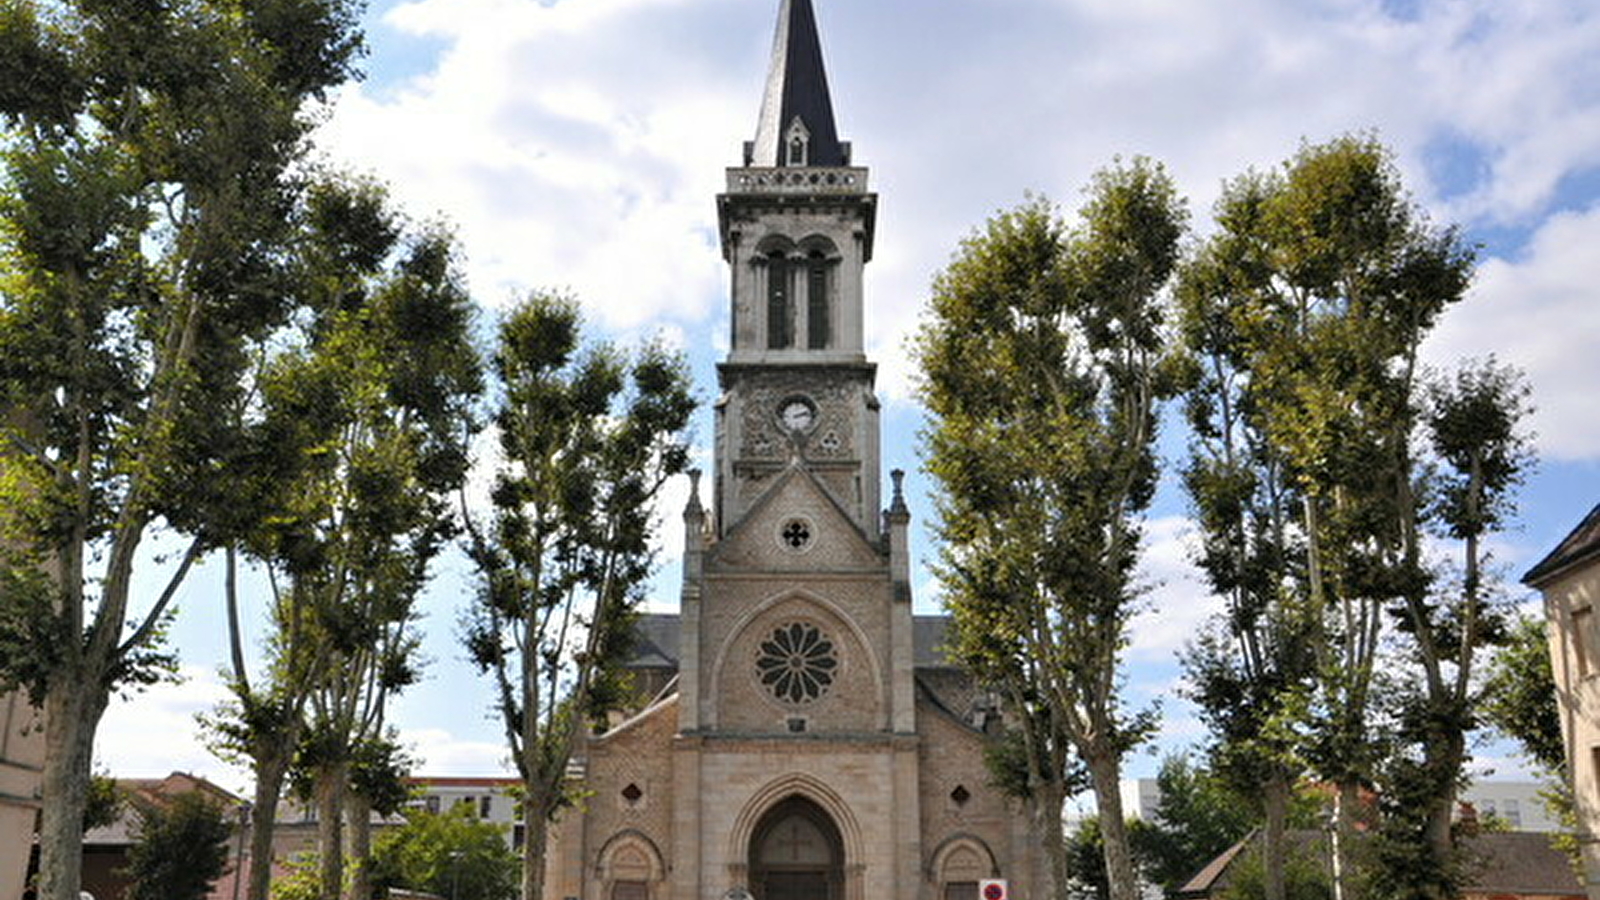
[{"x": 455, "y": 874}]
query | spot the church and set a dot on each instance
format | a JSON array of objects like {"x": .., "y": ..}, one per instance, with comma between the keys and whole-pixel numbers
[{"x": 799, "y": 734}]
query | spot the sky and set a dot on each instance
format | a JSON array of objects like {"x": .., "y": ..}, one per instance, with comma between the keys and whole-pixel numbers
[{"x": 578, "y": 145}]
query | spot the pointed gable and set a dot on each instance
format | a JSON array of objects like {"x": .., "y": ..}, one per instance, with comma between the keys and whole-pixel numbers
[
  {"x": 796, "y": 105},
  {"x": 797, "y": 526},
  {"x": 1581, "y": 545}
]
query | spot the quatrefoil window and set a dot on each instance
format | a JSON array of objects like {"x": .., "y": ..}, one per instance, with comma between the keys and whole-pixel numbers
[
  {"x": 798, "y": 663},
  {"x": 796, "y": 534}
]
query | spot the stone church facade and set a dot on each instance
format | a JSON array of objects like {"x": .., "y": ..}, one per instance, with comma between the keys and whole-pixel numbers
[{"x": 799, "y": 736}]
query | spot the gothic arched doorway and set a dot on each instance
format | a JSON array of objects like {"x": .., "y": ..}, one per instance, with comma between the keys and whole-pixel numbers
[{"x": 796, "y": 854}]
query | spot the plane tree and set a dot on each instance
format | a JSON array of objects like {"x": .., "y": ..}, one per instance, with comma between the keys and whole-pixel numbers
[
  {"x": 377, "y": 395},
  {"x": 1043, "y": 359},
  {"x": 149, "y": 163},
  {"x": 588, "y": 436},
  {"x": 1306, "y": 314}
]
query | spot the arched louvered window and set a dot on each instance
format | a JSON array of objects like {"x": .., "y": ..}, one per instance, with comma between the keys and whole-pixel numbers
[
  {"x": 780, "y": 326},
  {"x": 819, "y": 324}
]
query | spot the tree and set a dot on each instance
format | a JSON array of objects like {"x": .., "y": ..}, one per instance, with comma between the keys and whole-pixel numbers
[
  {"x": 1519, "y": 701},
  {"x": 1251, "y": 670},
  {"x": 182, "y": 848},
  {"x": 452, "y": 854},
  {"x": 1308, "y": 310},
  {"x": 589, "y": 436},
  {"x": 357, "y": 438},
  {"x": 1198, "y": 818},
  {"x": 1519, "y": 694},
  {"x": 1042, "y": 364},
  {"x": 149, "y": 152},
  {"x": 1471, "y": 424}
]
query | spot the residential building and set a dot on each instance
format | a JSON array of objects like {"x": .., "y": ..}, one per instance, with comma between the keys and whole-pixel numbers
[{"x": 1569, "y": 579}]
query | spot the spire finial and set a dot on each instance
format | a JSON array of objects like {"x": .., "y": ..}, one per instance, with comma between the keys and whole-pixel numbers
[
  {"x": 693, "y": 507},
  {"x": 897, "y": 503},
  {"x": 797, "y": 127}
]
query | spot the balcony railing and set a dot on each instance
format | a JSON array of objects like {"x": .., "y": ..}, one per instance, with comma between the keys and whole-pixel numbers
[{"x": 799, "y": 180}]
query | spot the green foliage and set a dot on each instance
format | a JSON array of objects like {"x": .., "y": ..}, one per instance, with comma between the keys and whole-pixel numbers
[
  {"x": 1519, "y": 696},
  {"x": 1086, "y": 861},
  {"x": 1199, "y": 817},
  {"x": 105, "y": 802},
  {"x": 451, "y": 854},
  {"x": 182, "y": 848},
  {"x": 301, "y": 882},
  {"x": 589, "y": 435},
  {"x": 1306, "y": 877},
  {"x": 1043, "y": 358}
]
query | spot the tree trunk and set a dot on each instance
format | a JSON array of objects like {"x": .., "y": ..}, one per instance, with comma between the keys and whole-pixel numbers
[
  {"x": 1046, "y": 806},
  {"x": 1105, "y": 771},
  {"x": 1447, "y": 752},
  {"x": 330, "y": 791},
  {"x": 535, "y": 842},
  {"x": 359, "y": 813},
  {"x": 264, "y": 819},
  {"x": 1346, "y": 802},
  {"x": 72, "y": 709},
  {"x": 1275, "y": 801}
]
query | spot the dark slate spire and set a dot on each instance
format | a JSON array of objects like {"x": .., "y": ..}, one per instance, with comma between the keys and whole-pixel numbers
[{"x": 797, "y": 90}]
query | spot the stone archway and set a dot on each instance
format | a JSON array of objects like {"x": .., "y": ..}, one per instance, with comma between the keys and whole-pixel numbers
[{"x": 797, "y": 853}]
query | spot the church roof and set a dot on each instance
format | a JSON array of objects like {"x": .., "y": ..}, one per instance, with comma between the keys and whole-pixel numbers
[
  {"x": 1582, "y": 544},
  {"x": 797, "y": 88},
  {"x": 655, "y": 642}
]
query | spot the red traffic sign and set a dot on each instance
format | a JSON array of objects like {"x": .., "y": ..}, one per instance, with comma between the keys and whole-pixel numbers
[{"x": 992, "y": 889}]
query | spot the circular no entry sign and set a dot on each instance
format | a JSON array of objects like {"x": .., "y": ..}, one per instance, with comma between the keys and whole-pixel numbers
[{"x": 993, "y": 892}]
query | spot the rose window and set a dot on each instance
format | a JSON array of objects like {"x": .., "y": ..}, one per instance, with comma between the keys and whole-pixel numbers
[{"x": 797, "y": 663}]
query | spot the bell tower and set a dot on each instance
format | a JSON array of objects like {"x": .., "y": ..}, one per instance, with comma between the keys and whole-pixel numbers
[{"x": 796, "y": 225}]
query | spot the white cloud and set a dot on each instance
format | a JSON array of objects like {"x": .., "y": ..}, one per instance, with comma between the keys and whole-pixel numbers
[
  {"x": 1179, "y": 603},
  {"x": 1540, "y": 314},
  {"x": 153, "y": 734},
  {"x": 579, "y": 144},
  {"x": 440, "y": 753}
]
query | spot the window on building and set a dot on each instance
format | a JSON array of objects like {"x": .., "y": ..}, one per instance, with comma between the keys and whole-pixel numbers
[
  {"x": 431, "y": 803},
  {"x": 1583, "y": 640},
  {"x": 797, "y": 151},
  {"x": 780, "y": 333},
  {"x": 818, "y": 323},
  {"x": 1512, "y": 814},
  {"x": 484, "y": 806},
  {"x": 630, "y": 890},
  {"x": 961, "y": 890}
]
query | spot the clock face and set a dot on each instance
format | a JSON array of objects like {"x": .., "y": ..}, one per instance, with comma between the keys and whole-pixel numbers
[{"x": 796, "y": 415}]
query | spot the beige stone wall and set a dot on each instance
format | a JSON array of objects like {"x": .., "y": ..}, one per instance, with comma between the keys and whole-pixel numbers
[
  {"x": 853, "y": 702},
  {"x": 964, "y": 840},
  {"x": 1572, "y": 602},
  {"x": 859, "y": 783},
  {"x": 627, "y": 834},
  {"x": 21, "y": 756}
]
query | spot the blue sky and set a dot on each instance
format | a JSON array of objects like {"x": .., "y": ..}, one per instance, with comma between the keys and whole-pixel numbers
[{"x": 578, "y": 144}]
